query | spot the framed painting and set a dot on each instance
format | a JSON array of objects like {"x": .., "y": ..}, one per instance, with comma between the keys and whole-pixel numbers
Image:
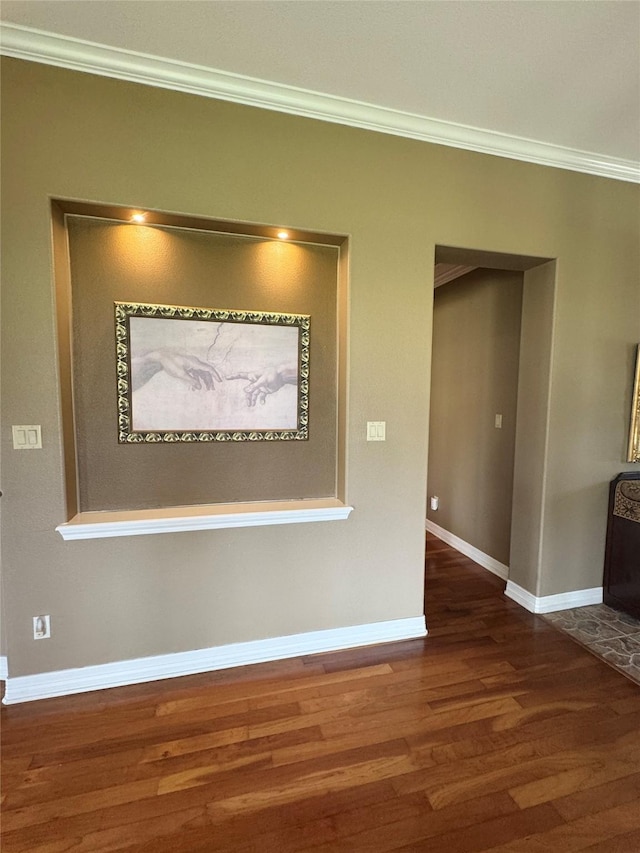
[
  {"x": 633, "y": 454},
  {"x": 203, "y": 374}
]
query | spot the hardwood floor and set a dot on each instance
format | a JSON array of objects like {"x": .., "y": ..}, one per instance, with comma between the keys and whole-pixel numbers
[{"x": 496, "y": 733}]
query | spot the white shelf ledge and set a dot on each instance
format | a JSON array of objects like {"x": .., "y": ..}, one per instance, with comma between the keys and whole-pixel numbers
[{"x": 99, "y": 525}]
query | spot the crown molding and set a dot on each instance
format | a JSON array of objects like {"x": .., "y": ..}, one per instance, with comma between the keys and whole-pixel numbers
[
  {"x": 444, "y": 273},
  {"x": 76, "y": 54}
]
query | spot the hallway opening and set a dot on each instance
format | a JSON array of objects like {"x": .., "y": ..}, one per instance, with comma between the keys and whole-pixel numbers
[{"x": 490, "y": 381}]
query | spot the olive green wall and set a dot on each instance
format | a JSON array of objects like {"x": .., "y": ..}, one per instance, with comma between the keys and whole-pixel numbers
[
  {"x": 71, "y": 135},
  {"x": 474, "y": 376}
]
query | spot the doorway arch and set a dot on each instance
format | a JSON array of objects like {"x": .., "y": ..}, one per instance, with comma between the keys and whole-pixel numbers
[{"x": 533, "y": 401}]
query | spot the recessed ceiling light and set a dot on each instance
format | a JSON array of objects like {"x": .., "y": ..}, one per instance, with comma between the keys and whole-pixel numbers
[
  {"x": 283, "y": 235},
  {"x": 138, "y": 217}
]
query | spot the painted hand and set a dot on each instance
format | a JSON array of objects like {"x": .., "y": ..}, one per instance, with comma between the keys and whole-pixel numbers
[{"x": 266, "y": 382}]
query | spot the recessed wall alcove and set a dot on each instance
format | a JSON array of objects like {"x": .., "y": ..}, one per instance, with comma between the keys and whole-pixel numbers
[{"x": 103, "y": 257}]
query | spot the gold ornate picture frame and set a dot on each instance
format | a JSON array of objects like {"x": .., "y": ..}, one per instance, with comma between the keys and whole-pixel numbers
[
  {"x": 633, "y": 454},
  {"x": 189, "y": 374}
]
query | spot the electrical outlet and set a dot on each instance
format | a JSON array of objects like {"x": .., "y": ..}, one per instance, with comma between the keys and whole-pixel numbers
[
  {"x": 435, "y": 502},
  {"x": 41, "y": 627}
]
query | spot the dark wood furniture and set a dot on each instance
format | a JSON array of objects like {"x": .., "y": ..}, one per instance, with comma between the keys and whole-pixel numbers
[{"x": 622, "y": 556}]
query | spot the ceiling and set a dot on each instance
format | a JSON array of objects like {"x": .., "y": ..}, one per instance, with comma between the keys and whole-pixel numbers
[{"x": 529, "y": 79}]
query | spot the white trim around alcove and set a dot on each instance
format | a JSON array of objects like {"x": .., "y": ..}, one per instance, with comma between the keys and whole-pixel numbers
[
  {"x": 100, "y": 525},
  {"x": 3, "y": 668},
  {"x": 45, "y": 685}
]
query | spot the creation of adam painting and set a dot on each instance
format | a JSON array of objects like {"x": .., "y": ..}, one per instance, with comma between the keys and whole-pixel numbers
[{"x": 201, "y": 374}]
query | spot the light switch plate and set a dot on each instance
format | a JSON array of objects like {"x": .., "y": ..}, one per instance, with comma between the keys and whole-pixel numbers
[
  {"x": 376, "y": 430},
  {"x": 27, "y": 437},
  {"x": 498, "y": 422}
]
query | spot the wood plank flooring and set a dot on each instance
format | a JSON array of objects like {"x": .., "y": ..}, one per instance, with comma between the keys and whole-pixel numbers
[{"x": 496, "y": 732}]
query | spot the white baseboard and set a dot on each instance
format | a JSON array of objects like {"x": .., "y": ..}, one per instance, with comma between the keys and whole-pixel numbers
[
  {"x": 64, "y": 682},
  {"x": 551, "y": 603},
  {"x": 468, "y": 550},
  {"x": 4, "y": 669}
]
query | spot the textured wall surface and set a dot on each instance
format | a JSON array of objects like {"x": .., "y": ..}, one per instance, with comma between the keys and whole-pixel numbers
[
  {"x": 115, "y": 262},
  {"x": 72, "y": 135}
]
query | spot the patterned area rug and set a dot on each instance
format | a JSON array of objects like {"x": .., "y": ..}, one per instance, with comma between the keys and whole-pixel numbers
[{"x": 609, "y": 634}]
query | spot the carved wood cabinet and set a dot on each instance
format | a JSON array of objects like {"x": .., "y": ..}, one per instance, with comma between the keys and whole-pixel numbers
[{"x": 622, "y": 555}]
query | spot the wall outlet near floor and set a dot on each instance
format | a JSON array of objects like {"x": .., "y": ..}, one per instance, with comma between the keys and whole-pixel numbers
[
  {"x": 41, "y": 627},
  {"x": 435, "y": 502}
]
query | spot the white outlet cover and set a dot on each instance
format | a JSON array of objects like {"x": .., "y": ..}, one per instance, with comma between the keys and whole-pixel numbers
[{"x": 41, "y": 627}]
